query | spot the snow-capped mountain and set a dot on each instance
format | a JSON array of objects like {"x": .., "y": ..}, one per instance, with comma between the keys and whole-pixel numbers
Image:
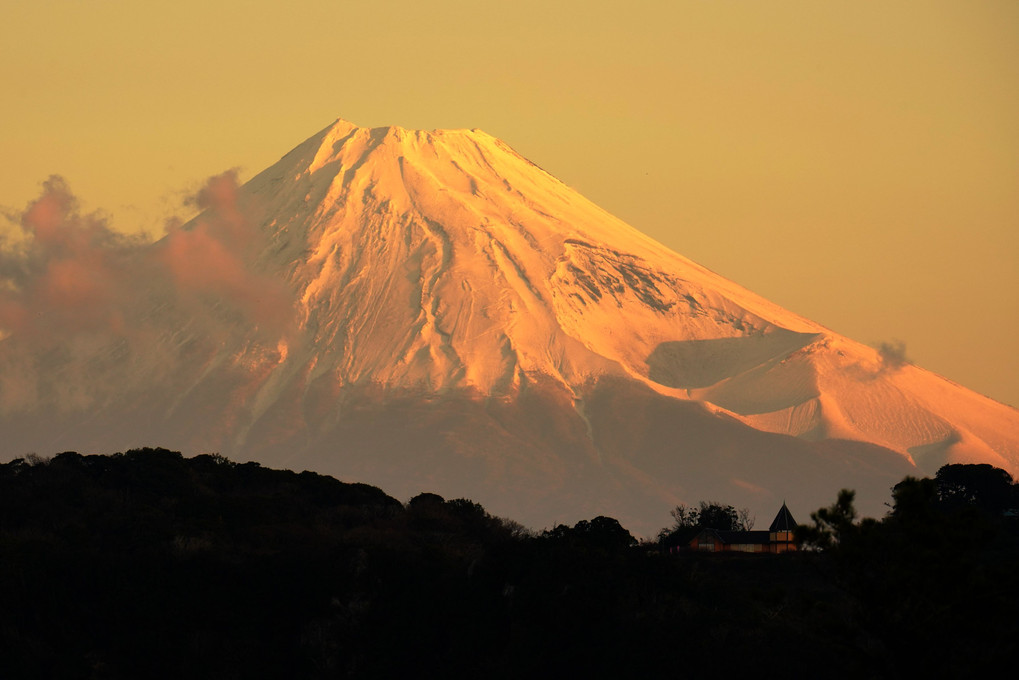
[{"x": 431, "y": 311}]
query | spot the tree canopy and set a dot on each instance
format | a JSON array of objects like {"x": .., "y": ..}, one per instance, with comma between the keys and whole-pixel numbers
[
  {"x": 707, "y": 515},
  {"x": 149, "y": 564}
]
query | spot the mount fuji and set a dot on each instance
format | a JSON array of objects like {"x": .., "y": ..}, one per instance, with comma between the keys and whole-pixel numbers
[{"x": 430, "y": 311}]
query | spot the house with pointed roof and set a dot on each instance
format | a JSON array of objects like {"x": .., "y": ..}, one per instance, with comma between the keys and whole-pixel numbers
[{"x": 777, "y": 539}]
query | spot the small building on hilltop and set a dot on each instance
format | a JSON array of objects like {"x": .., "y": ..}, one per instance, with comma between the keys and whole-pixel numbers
[
  {"x": 781, "y": 532},
  {"x": 777, "y": 539}
]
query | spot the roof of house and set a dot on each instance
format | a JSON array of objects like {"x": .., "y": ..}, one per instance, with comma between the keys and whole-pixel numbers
[
  {"x": 783, "y": 520},
  {"x": 761, "y": 537}
]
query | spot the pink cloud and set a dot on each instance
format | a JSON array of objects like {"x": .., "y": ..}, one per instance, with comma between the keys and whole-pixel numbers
[
  {"x": 74, "y": 273},
  {"x": 67, "y": 276},
  {"x": 211, "y": 255}
]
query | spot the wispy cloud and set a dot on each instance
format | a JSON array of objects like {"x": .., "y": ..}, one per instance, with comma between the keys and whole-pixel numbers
[
  {"x": 70, "y": 273},
  {"x": 892, "y": 355},
  {"x": 73, "y": 288}
]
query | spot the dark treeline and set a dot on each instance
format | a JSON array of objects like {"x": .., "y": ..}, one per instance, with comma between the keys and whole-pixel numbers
[{"x": 148, "y": 564}]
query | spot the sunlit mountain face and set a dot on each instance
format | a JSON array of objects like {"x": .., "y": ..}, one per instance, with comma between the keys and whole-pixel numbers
[{"x": 430, "y": 311}]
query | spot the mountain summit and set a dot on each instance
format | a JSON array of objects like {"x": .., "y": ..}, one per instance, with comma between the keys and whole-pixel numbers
[
  {"x": 458, "y": 320},
  {"x": 444, "y": 259}
]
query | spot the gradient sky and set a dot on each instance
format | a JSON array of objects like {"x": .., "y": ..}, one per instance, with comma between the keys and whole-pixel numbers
[{"x": 855, "y": 162}]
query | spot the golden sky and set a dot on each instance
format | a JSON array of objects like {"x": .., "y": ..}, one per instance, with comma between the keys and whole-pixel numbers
[{"x": 855, "y": 162}]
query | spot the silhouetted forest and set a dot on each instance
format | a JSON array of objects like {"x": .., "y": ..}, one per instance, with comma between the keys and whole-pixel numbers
[{"x": 147, "y": 564}]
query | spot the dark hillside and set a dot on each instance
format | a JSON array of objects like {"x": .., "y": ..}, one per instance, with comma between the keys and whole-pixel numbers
[{"x": 147, "y": 564}]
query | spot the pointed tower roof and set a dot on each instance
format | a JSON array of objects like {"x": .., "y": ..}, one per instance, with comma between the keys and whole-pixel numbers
[{"x": 783, "y": 520}]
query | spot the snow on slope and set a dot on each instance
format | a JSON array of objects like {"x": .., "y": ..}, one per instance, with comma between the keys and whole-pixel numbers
[
  {"x": 487, "y": 266},
  {"x": 444, "y": 259}
]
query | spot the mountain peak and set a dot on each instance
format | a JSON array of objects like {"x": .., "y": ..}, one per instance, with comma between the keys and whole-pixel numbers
[
  {"x": 445, "y": 260},
  {"x": 486, "y": 267},
  {"x": 342, "y": 127}
]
